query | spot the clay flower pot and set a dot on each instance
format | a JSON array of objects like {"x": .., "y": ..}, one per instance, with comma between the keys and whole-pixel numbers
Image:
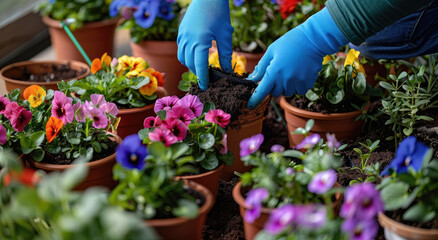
[
  {"x": 252, "y": 59},
  {"x": 100, "y": 172},
  {"x": 343, "y": 125},
  {"x": 251, "y": 229},
  {"x": 96, "y": 38},
  {"x": 131, "y": 120},
  {"x": 13, "y": 72},
  {"x": 210, "y": 180},
  {"x": 249, "y": 123},
  {"x": 162, "y": 56},
  {"x": 183, "y": 228},
  {"x": 398, "y": 231}
]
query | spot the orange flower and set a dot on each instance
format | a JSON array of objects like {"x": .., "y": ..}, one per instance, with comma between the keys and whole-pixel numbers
[
  {"x": 158, "y": 75},
  {"x": 151, "y": 87},
  {"x": 96, "y": 65},
  {"x": 35, "y": 95},
  {"x": 53, "y": 127},
  {"x": 106, "y": 59}
]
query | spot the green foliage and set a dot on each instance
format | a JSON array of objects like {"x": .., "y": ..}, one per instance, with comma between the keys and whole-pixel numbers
[
  {"x": 51, "y": 210},
  {"x": 83, "y": 11},
  {"x": 153, "y": 192},
  {"x": 336, "y": 85},
  {"x": 258, "y": 23},
  {"x": 187, "y": 78},
  {"x": 404, "y": 103},
  {"x": 414, "y": 192},
  {"x": 372, "y": 172}
]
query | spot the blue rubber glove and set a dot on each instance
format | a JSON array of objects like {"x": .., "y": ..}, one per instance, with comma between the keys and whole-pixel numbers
[
  {"x": 204, "y": 21},
  {"x": 291, "y": 63}
]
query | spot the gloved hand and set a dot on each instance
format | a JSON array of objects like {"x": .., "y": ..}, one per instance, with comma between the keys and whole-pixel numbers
[
  {"x": 291, "y": 63},
  {"x": 204, "y": 21}
]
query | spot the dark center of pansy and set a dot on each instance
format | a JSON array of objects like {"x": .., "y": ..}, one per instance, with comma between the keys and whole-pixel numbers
[
  {"x": 2, "y": 106},
  {"x": 60, "y": 111},
  {"x": 176, "y": 131},
  {"x": 367, "y": 202},
  {"x": 147, "y": 14},
  {"x": 133, "y": 158},
  {"x": 164, "y": 10},
  {"x": 357, "y": 232},
  {"x": 407, "y": 161},
  {"x": 95, "y": 118}
]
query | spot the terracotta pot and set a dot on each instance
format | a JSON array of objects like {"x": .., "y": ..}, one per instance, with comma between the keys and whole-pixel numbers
[
  {"x": 11, "y": 73},
  {"x": 251, "y": 229},
  {"x": 131, "y": 120},
  {"x": 162, "y": 56},
  {"x": 249, "y": 123},
  {"x": 398, "y": 231},
  {"x": 209, "y": 180},
  {"x": 252, "y": 59},
  {"x": 343, "y": 125},
  {"x": 183, "y": 228},
  {"x": 95, "y": 38},
  {"x": 100, "y": 172}
]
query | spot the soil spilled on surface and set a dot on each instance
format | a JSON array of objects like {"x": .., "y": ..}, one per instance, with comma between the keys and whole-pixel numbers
[
  {"x": 61, "y": 159},
  {"x": 55, "y": 72},
  {"x": 228, "y": 92}
]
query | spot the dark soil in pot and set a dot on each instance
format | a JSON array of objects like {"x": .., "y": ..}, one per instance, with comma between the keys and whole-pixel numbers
[
  {"x": 397, "y": 216},
  {"x": 229, "y": 92},
  {"x": 274, "y": 131},
  {"x": 324, "y": 107},
  {"x": 61, "y": 159},
  {"x": 55, "y": 72}
]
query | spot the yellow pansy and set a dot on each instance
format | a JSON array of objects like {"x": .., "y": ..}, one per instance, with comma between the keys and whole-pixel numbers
[
  {"x": 151, "y": 87},
  {"x": 183, "y": 3},
  {"x": 353, "y": 59},
  {"x": 35, "y": 95},
  {"x": 132, "y": 64},
  {"x": 237, "y": 62},
  {"x": 326, "y": 59},
  {"x": 124, "y": 63}
]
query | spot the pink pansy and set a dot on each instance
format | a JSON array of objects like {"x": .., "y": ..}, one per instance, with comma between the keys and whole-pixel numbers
[
  {"x": 151, "y": 122},
  {"x": 218, "y": 116},
  {"x": 223, "y": 148},
  {"x": 163, "y": 135},
  {"x": 20, "y": 119},
  {"x": 110, "y": 108},
  {"x": 192, "y": 102},
  {"x": 3, "y": 135},
  {"x": 177, "y": 127},
  {"x": 97, "y": 100},
  {"x": 79, "y": 112},
  {"x": 165, "y": 103},
  {"x": 4, "y": 101},
  {"x": 182, "y": 113},
  {"x": 62, "y": 107},
  {"x": 10, "y": 108},
  {"x": 99, "y": 118}
]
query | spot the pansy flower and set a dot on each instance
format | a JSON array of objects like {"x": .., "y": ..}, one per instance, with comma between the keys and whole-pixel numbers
[
  {"x": 177, "y": 127},
  {"x": 218, "y": 116},
  {"x": 151, "y": 87},
  {"x": 62, "y": 107},
  {"x": 361, "y": 200},
  {"x": 165, "y": 11},
  {"x": 165, "y": 103},
  {"x": 151, "y": 122},
  {"x": 163, "y": 135},
  {"x": 146, "y": 13},
  {"x": 254, "y": 201},
  {"x": 223, "y": 145},
  {"x": 281, "y": 218},
  {"x": 353, "y": 59},
  {"x": 96, "y": 65},
  {"x": 35, "y": 95},
  {"x": 322, "y": 181},
  {"x": 251, "y": 144},
  {"x": 27, "y": 176},
  {"x": 309, "y": 141},
  {"x": 53, "y": 126},
  {"x": 311, "y": 216},
  {"x": 158, "y": 75},
  {"x": 11, "y": 108},
  {"x": 99, "y": 118},
  {"x": 3, "y": 135},
  {"x": 105, "y": 60},
  {"x": 182, "y": 113},
  {"x": 20, "y": 119},
  {"x": 4, "y": 101},
  {"x": 192, "y": 102},
  {"x": 287, "y": 7},
  {"x": 131, "y": 153},
  {"x": 360, "y": 229},
  {"x": 131, "y": 64}
]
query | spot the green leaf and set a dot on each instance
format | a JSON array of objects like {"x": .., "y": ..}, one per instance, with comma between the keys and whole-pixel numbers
[
  {"x": 186, "y": 208},
  {"x": 96, "y": 147},
  {"x": 336, "y": 97},
  {"x": 208, "y": 106},
  {"x": 408, "y": 131},
  {"x": 37, "y": 138},
  {"x": 386, "y": 86},
  {"x": 394, "y": 195},
  {"x": 74, "y": 141},
  {"x": 311, "y": 95},
  {"x": 206, "y": 140},
  {"x": 210, "y": 162},
  {"x": 179, "y": 149},
  {"x": 309, "y": 125},
  {"x": 157, "y": 149},
  {"x": 300, "y": 131},
  {"x": 419, "y": 213},
  {"x": 293, "y": 154},
  {"x": 162, "y": 114},
  {"x": 38, "y": 154},
  {"x": 359, "y": 84},
  {"x": 227, "y": 158},
  {"x": 73, "y": 176}
]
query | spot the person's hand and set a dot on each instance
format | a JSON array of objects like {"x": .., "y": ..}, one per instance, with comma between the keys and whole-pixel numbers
[
  {"x": 204, "y": 21},
  {"x": 291, "y": 64}
]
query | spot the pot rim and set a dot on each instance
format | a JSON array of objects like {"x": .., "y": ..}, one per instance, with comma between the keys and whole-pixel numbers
[
  {"x": 405, "y": 230},
  {"x": 211, "y": 172},
  {"x": 56, "y": 24},
  {"x": 93, "y": 164},
  {"x": 238, "y": 198},
  {"x": 46, "y": 62},
  {"x": 204, "y": 209},
  {"x": 315, "y": 115}
]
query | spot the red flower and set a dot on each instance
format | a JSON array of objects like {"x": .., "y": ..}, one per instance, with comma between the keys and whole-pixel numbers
[
  {"x": 28, "y": 177},
  {"x": 287, "y": 7}
]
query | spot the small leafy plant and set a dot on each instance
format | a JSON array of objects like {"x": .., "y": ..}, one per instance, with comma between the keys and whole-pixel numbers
[
  {"x": 81, "y": 11},
  {"x": 147, "y": 182},
  {"x": 126, "y": 81},
  {"x": 372, "y": 172},
  {"x": 404, "y": 103},
  {"x": 188, "y": 120},
  {"x": 410, "y": 182}
]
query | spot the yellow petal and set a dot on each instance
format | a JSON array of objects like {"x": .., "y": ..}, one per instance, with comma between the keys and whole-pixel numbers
[
  {"x": 352, "y": 55},
  {"x": 326, "y": 59},
  {"x": 214, "y": 59}
]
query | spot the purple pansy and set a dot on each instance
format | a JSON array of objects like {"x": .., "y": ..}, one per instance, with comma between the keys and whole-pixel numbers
[
  {"x": 332, "y": 142},
  {"x": 99, "y": 118},
  {"x": 360, "y": 229},
  {"x": 277, "y": 148},
  {"x": 311, "y": 215},
  {"x": 117, "y": 5},
  {"x": 182, "y": 113},
  {"x": 4, "y": 101},
  {"x": 254, "y": 201},
  {"x": 165, "y": 103},
  {"x": 177, "y": 127},
  {"x": 250, "y": 145},
  {"x": 309, "y": 141},
  {"x": 322, "y": 181},
  {"x": 3, "y": 135},
  {"x": 192, "y": 102},
  {"x": 146, "y": 13},
  {"x": 165, "y": 11},
  {"x": 62, "y": 107},
  {"x": 131, "y": 153},
  {"x": 97, "y": 100},
  {"x": 110, "y": 108},
  {"x": 410, "y": 153},
  {"x": 280, "y": 219},
  {"x": 290, "y": 171},
  {"x": 361, "y": 200}
]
